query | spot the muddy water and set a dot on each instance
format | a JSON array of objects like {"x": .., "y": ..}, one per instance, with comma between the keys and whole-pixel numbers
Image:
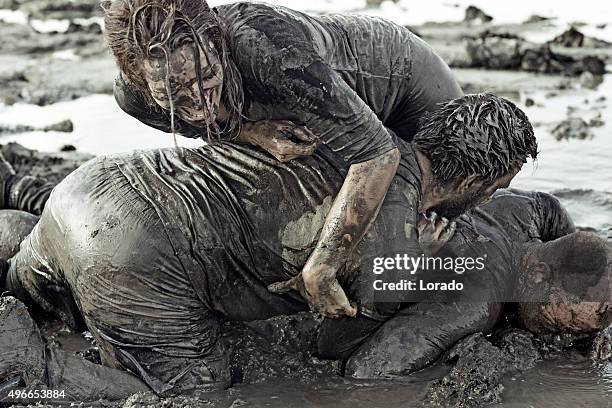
[
  {"x": 561, "y": 383},
  {"x": 580, "y": 171},
  {"x": 557, "y": 383}
]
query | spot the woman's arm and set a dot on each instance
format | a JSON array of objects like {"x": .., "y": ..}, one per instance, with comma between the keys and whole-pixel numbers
[{"x": 286, "y": 73}]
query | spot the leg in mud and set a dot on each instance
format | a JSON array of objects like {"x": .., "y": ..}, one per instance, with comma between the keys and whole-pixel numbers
[
  {"x": 26, "y": 362},
  {"x": 338, "y": 338},
  {"x": 22, "y": 351},
  {"x": 417, "y": 336},
  {"x": 83, "y": 380},
  {"x": 131, "y": 288},
  {"x": 15, "y": 226},
  {"x": 25, "y": 357},
  {"x": 24, "y": 193}
]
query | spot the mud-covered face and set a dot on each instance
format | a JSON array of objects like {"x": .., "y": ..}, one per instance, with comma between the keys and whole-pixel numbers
[
  {"x": 453, "y": 199},
  {"x": 192, "y": 104}
]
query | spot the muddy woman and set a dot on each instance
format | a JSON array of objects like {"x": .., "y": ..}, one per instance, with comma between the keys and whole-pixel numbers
[{"x": 289, "y": 83}]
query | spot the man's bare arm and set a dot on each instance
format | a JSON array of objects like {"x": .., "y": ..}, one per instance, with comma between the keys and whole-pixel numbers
[{"x": 348, "y": 220}]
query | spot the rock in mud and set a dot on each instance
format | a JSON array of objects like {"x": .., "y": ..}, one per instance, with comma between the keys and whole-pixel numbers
[
  {"x": 492, "y": 50},
  {"x": 495, "y": 51},
  {"x": 52, "y": 166},
  {"x": 480, "y": 366},
  {"x": 64, "y": 126},
  {"x": 590, "y": 81},
  {"x": 574, "y": 38},
  {"x": 572, "y": 128},
  {"x": 475, "y": 14},
  {"x": 22, "y": 351}
]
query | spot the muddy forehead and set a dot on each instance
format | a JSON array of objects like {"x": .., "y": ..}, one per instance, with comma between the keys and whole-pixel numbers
[{"x": 182, "y": 67}]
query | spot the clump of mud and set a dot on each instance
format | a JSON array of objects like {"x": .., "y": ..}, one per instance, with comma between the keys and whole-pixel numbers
[
  {"x": 492, "y": 50},
  {"x": 480, "y": 366},
  {"x": 572, "y": 128},
  {"x": 52, "y": 166},
  {"x": 573, "y": 38},
  {"x": 282, "y": 347},
  {"x": 474, "y": 14}
]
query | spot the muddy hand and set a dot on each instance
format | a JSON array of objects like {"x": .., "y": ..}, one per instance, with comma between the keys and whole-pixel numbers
[
  {"x": 326, "y": 298},
  {"x": 283, "y": 139},
  {"x": 434, "y": 232}
]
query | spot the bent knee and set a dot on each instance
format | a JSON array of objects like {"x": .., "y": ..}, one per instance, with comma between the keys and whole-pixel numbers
[{"x": 15, "y": 226}]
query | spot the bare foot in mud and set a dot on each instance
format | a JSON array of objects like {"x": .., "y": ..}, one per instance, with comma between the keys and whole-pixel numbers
[
  {"x": 434, "y": 232},
  {"x": 602, "y": 346}
]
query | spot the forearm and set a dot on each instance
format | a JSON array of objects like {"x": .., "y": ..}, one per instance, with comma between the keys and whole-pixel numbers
[
  {"x": 351, "y": 214},
  {"x": 418, "y": 335}
]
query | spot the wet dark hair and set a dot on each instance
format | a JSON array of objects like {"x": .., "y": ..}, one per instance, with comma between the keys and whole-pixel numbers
[
  {"x": 139, "y": 29},
  {"x": 480, "y": 134}
]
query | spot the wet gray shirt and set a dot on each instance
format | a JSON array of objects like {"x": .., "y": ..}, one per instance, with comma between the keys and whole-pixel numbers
[{"x": 348, "y": 78}]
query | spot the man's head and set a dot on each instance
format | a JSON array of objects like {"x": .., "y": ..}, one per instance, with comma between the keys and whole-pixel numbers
[
  {"x": 468, "y": 148},
  {"x": 173, "y": 51},
  {"x": 564, "y": 285}
]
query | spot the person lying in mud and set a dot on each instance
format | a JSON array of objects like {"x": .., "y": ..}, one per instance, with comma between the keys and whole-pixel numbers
[
  {"x": 515, "y": 223},
  {"x": 151, "y": 249},
  {"x": 559, "y": 279},
  {"x": 286, "y": 82}
]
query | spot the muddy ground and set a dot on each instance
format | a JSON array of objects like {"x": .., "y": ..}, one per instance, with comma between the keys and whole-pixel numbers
[{"x": 274, "y": 361}]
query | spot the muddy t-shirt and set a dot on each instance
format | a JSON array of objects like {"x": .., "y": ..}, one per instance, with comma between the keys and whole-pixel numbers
[
  {"x": 525, "y": 216},
  {"x": 347, "y": 78}
]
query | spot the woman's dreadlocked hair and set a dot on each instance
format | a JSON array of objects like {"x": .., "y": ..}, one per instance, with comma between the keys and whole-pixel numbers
[
  {"x": 139, "y": 29},
  {"x": 480, "y": 134}
]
